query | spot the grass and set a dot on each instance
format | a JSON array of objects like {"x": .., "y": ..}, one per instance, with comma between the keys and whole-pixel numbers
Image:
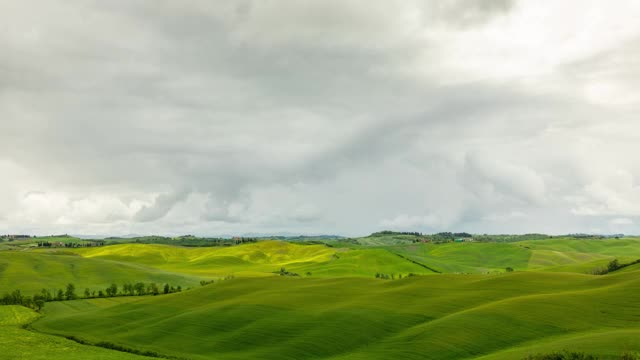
[
  {"x": 259, "y": 259},
  {"x": 16, "y": 343},
  {"x": 467, "y": 257},
  {"x": 548, "y": 304},
  {"x": 438, "y": 317},
  {"x": 30, "y": 271},
  {"x": 559, "y": 255},
  {"x": 97, "y": 267}
]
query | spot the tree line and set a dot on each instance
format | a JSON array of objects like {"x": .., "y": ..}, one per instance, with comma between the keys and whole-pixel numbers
[
  {"x": 70, "y": 244},
  {"x": 389, "y": 232},
  {"x": 611, "y": 267},
  {"x": 188, "y": 241},
  {"x": 573, "y": 355},
  {"x": 38, "y": 300},
  {"x": 384, "y": 276}
]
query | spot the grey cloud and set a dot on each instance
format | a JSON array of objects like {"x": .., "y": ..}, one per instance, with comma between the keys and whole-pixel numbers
[
  {"x": 464, "y": 14},
  {"x": 230, "y": 100},
  {"x": 514, "y": 180},
  {"x": 160, "y": 207}
]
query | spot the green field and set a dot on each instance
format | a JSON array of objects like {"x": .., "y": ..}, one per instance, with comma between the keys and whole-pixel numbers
[
  {"x": 440, "y": 317},
  {"x": 459, "y": 302},
  {"x": 31, "y": 271},
  {"x": 18, "y": 343}
]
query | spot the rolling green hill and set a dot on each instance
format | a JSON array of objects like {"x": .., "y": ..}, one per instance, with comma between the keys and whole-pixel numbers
[
  {"x": 259, "y": 259},
  {"x": 18, "y": 343},
  {"x": 265, "y": 257},
  {"x": 31, "y": 271},
  {"x": 97, "y": 267},
  {"x": 561, "y": 255},
  {"x": 460, "y": 305},
  {"x": 436, "y": 317}
]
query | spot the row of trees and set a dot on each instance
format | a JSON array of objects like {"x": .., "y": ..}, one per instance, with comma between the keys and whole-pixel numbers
[
  {"x": 572, "y": 355},
  {"x": 190, "y": 241},
  {"x": 16, "y": 297},
  {"x": 70, "y": 244},
  {"x": 132, "y": 289},
  {"x": 391, "y": 276},
  {"x": 38, "y": 300},
  {"x": 611, "y": 267},
  {"x": 284, "y": 272},
  {"x": 389, "y": 232}
]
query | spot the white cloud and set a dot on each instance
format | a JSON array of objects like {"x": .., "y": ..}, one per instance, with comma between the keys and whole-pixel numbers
[
  {"x": 621, "y": 221},
  {"x": 411, "y": 222},
  {"x": 610, "y": 194},
  {"x": 512, "y": 180},
  {"x": 502, "y": 217}
]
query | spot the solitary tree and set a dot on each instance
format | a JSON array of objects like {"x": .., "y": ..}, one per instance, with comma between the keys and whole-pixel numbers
[{"x": 509, "y": 269}]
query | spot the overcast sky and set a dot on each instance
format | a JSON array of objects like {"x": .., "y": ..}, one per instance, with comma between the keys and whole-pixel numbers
[{"x": 338, "y": 117}]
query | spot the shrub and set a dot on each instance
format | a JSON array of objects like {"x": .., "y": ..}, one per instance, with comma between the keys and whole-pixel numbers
[
  {"x": 599, "y": 271},
  {"x": 629, "y": 356},
  {"x": 565, "y": 355}
]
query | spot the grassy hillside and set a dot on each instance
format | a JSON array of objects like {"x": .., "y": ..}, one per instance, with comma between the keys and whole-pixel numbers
[
  {"x": 437, "y": 317},
  {"x": 265, "y": 257},
  {"x": 562, "y": 255},
  {"x": 18, "y": 343},
  {"x": 467, "y": 257},
  {"x": 335, "y": 309},
  {"x": 97, "y": 267},
  {"x": 30, "y": 271},
  {"x": 259, "y": 259}
]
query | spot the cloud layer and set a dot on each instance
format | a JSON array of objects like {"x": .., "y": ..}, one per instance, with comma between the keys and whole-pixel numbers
[{"x": 319, "y": 117}]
